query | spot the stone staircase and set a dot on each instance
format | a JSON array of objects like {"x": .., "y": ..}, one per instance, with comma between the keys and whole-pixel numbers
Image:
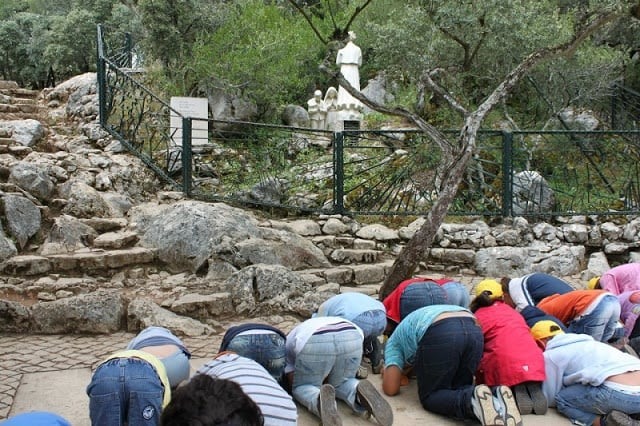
[{"x": 16, "y": 103}]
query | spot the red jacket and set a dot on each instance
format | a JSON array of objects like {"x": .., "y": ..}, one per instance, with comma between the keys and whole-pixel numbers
[{"x": 511, "y": 355}]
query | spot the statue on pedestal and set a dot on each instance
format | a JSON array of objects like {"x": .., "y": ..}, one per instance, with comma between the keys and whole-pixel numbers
[{"x": 349, "y": 58}]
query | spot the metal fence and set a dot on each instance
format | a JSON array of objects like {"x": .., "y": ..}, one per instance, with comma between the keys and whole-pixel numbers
[{"x": 395, "y": 172}]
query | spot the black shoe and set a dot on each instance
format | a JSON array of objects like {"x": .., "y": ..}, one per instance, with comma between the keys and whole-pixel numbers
[
  {"x": 374, "y": 403},
  {"x": 618, "y": 418},
  {"x": 523, "y": 399},
  {"x": 538, "y": 399},
  {"x": 327, "y": 406}
]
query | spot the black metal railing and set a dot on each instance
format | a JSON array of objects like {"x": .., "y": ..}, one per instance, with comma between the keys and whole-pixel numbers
[{"x": 399, "y": 172}]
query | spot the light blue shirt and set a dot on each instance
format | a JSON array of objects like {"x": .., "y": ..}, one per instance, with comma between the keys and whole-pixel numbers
[
  {"x": 349, "y": 305},
  {"x": 156, "y": 336},
  {"x": 402, "y": 346}
]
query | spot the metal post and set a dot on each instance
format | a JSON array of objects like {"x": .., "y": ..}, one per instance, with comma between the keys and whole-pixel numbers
[
  {"x": 128, "y": 46},
  {"x": 614, "y": 99},
  {"x": 187, "y": 166},
  {"x": 338, "y": 173},
  {"x": 507, "y": 174},
  {"x": 102, "y": 79}
]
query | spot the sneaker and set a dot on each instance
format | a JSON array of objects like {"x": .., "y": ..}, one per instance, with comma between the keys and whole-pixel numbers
[
  {"x": 483, "y": 407},
  {"x": 512, "y": 415},
  {"x": 374, "y": 403},
  {"x": 538, "y": 399},
  {"x": 523, "y": 400},
  {"x": 328, "y": 408},
  {"x": 618, "y": 418},
  {"x": 363, "y": 371},
  {"x": 377, "y": 369}
]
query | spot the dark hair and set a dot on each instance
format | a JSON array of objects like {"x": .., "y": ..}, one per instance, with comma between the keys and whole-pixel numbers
[
  {"x": 504, "y": 283},
  {"x": 481, "y": 300},
  {"x": 207, "y": 401}
]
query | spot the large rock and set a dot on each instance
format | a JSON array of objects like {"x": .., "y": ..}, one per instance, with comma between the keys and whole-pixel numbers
[
  {"x": 26, "y": 132},
  {"x": 7, "y": 248},
  {"x": 516, "y": 261},
  {"x": 281, "y": 248},
  {"x": 83, "y": 201},
  {"x": 295, "y": 116},
  {"x": 187, "y": 233},
  {"x": 23, "y": 218},
  {"x": 98, "y": 312},
  {"x": 32, "y": 179},
  {"x": 531, "y": 194},
  {"x": 266, "y": 290},
  {"x": 14, "y": 317},
  {"x": 143, "y": 313},
  {"x": 67, "y": 234}
]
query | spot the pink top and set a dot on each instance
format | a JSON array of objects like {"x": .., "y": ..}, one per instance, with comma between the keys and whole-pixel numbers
[{"x": 621, "y": 278}]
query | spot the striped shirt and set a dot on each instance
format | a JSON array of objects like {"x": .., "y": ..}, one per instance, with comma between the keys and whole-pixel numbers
[{"x": 276, "y": 405}]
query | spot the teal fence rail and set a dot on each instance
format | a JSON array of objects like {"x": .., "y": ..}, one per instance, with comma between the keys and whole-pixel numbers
[{"x": 528, "y": 173}]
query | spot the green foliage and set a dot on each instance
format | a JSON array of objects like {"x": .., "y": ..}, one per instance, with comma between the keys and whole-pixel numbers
[{"x": 268, "y": 56}]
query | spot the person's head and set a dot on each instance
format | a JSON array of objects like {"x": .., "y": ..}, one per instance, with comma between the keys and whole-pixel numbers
[
  {"x": 317, "y": 95},
  {"x": 487, "y": 292},
  {"x": 504, "y": 283},
  {"x": 594, "y": 283},
  {"x": 545, "y": 330},
  {"x": 207, "y": 401}
]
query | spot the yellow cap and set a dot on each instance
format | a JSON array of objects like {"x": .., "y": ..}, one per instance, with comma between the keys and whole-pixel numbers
[
  {"x": 593, "y": 283},
  {"x": 492, "y": 286},
  {"x": 545, "y": 328}
]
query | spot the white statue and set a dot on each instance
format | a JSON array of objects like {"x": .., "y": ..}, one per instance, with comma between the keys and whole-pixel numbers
[
  {"x": 317, "y": 111},
  {"x": 349, "y": 58},
  {"x": 331, "y": 103}
]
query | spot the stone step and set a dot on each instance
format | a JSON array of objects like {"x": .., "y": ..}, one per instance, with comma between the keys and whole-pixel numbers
[
  {"x": 85, "y": 261},
  {"x": 20, "y": 93},
  {"x": 350, "y": 275},
  {"x": 8, "y": 84}
]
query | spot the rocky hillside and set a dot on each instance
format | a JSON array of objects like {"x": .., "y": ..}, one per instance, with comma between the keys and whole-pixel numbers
[{"x": 91, "y": 241}]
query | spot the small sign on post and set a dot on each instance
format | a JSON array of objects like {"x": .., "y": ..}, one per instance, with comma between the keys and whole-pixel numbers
[{"x": 194, "y": 108}]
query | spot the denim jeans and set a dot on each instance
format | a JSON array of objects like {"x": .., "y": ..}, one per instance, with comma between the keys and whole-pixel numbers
[
  {"x": 583, "y": 403},
  {"x": 419, "y": 295},
  {"x": 446, "y": 360},
  {"x": 601, "y": 322},
  {"x": 457, "y": 294},
  {"x": 268, "y": 350},
  {"x": 125, "y": 391},
  {"x": 178, "y": 367},
  {"x": 331, "y": 358}
]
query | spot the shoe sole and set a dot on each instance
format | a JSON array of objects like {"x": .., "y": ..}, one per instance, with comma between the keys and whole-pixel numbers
[
  {"x": 375, "y": 403},
  {"x": 523, "y": 400},
  {"x": 540, "y": 404},
  {"x": 512, "y": 414},
  {"x": 628, "y": 349},
  {"x": 328, "y": 407},
  {"x": 488, "y": 415}
]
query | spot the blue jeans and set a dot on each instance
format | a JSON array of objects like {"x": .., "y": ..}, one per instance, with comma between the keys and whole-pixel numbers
[
  {"x": 268, "y": 350},
  {"x": 583, "y": 403},
  {"x": 457, "y": 294},
  {"x": 331, "y": 358},
  {"x": 125, "y": 391},
  {"x": 177, "y": 366},
  {"x": 419, "y": 295},
  {"x": 446, "y": 360},
  {"x": 601, "y": 322}
]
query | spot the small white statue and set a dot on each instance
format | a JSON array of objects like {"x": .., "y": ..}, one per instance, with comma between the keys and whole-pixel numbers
[
  {"x": 317, "y": 111},
  {"x": 331, "y": 103}
]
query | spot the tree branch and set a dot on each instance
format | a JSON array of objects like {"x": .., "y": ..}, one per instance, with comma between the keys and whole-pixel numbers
[
  {"x": 309, "y": 21},
  {"x": 435, "y": 87},
  {"x": 355, "y": 14}
]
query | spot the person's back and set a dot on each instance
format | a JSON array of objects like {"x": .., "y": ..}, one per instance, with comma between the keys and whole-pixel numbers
[
  {"x": 621, "y": 278},
  {"x": 530, "y": 289},
  {"x": 511, "y": 355},
  {"x": 276, "y": 405}
]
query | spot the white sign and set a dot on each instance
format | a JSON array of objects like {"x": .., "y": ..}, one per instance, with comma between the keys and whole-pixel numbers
[{"x": 194, "y": 108}]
